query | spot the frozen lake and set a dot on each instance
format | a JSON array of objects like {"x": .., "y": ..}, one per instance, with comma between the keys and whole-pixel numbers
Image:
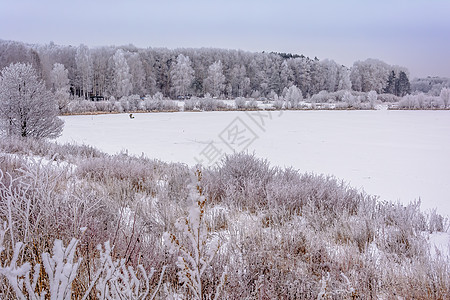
[{"x": 397, "y": 155}]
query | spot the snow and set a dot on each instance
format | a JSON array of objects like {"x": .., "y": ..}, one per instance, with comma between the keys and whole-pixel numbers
[
  {"x": 397, "y": 155},
  {"x": 439, "y": 244}
]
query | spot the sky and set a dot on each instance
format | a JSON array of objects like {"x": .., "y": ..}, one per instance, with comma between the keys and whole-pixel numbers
[{"x": 410, "y": 33}]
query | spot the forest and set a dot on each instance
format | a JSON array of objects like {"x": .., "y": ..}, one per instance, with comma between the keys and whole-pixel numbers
[{"x": 127, "y": 70}]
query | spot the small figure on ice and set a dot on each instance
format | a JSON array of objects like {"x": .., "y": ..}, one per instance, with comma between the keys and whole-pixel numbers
[{"x": 131, "y": 116}]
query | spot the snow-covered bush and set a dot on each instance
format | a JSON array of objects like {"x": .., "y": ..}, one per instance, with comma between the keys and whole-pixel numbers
[
  {"x": 289, "y": 235},
  {"x": 113, "y": 279},
  {"x": 240, "y": 103},
  {"x": 240, "y": 180},
  {"x": 191, "y": 104},
  {"x": 158, "y": 96},
  {"x": 420, "y": 101},
  {"x": 159, "y": 105},
  {"x": 196, "y": 247},
  {"x": 209, "y": 104},
  {"x": 278, "y": 104},
  {"x": 253, "y": 104}
]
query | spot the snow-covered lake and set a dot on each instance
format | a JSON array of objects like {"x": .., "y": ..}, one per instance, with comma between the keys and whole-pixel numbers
[{"x": 398, "y": 155}]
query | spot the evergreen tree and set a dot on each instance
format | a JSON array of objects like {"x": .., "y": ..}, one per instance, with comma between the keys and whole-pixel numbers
[
  {"x": 402, "y": 85},
  {"x": 390, "y": 84}
]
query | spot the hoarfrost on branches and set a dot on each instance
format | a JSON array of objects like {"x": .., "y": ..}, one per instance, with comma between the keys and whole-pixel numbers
[{"x": 27, "y": 109}]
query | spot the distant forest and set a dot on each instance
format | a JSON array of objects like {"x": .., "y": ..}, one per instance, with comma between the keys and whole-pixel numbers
[{"x": 112, "y": 71}]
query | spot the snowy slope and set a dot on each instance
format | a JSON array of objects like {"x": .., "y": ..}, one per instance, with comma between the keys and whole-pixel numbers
[{"x": 398, "y": 155}]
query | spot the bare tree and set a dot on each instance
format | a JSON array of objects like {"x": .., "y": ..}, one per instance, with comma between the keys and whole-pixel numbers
[{"x": 27, "y": 109}]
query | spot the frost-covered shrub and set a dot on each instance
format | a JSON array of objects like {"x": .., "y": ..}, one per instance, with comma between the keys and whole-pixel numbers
[
  {"x": 118, "y": 107},
  {"x": 112, "y": 278},
  {"x": 278, "y": 104},
  {"x": 158, "y": 96},
  {"x": 50, "y": 151},
  {"x": 104, "y": 106},
  {"x": 240, "y": 103},
  {"x": 210, "y": 104},
  {"x": 137, "y": 174},
  {"x": 289, "y": 235},
  {"x": 196, "y": 247},
  {"x": 388, "y": 98},
  {"x": 253, "y": 104},
  {"x": 241, "y": 180},
  {"x": 159, "y": 105},
  {"x": 80, "y": 106},
  {"x": 420, "y": 101},
  {"x": 191, "y": 104},
  {"x": 321, "y": 97},
  {"x": 352, "y": 101}
]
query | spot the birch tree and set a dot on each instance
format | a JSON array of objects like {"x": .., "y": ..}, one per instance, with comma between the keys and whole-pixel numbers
[
  {"x": 122, "y": 74},
  {"x": 182, "y": 75},
  {"x": 84, "y": 70},
  {"x": 215, "y": 80}
]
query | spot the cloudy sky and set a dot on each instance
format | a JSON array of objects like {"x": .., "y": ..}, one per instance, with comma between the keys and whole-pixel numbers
[{"x": 410, "y": 33}]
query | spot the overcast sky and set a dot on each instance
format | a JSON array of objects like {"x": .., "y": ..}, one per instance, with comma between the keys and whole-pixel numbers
[{"x": 410, "y": 33}]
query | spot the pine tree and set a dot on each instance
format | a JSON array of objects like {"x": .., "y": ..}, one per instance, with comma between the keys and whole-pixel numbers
[
  {"x": 390, "y": 84},
  {"x": 402, "y": 85}
]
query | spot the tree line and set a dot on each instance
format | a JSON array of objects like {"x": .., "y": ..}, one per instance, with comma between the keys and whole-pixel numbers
[{"x": 112, "y": 71}]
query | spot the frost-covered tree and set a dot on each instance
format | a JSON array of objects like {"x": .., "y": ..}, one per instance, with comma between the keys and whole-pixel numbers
[
  {"x": 351, "y": 100},
  {"x": 240, "y": 83},
  {"x": 286, "y": 75},
  {"x": 329, "y": 76},
  {"x": 214, "y": 83},
  {"x": 84, "y": 70},
  {"x": 182, "y": 75},
  {"x": 293, "y": 96},
  {"x": 372, "y": 96},
  {"x": 59, "y": 78},
  {"x": 122, "y": 74},
  {"x": 445, "y": 96},
  {"x": 402, "y": 85},
  {"x": 344, "y": 82},
  {"x": 137, "y": 74},
  {"x": 27, "y": 109},
  {"x": 390, "y": 83},
  {"x": 371, "y": 74}
]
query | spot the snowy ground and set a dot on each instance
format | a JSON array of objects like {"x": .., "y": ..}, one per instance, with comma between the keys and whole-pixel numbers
[{"x": 398, "y": 155}]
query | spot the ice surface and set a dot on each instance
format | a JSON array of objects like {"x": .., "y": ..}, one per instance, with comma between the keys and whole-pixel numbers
[{"x": 398, "y": 155}]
